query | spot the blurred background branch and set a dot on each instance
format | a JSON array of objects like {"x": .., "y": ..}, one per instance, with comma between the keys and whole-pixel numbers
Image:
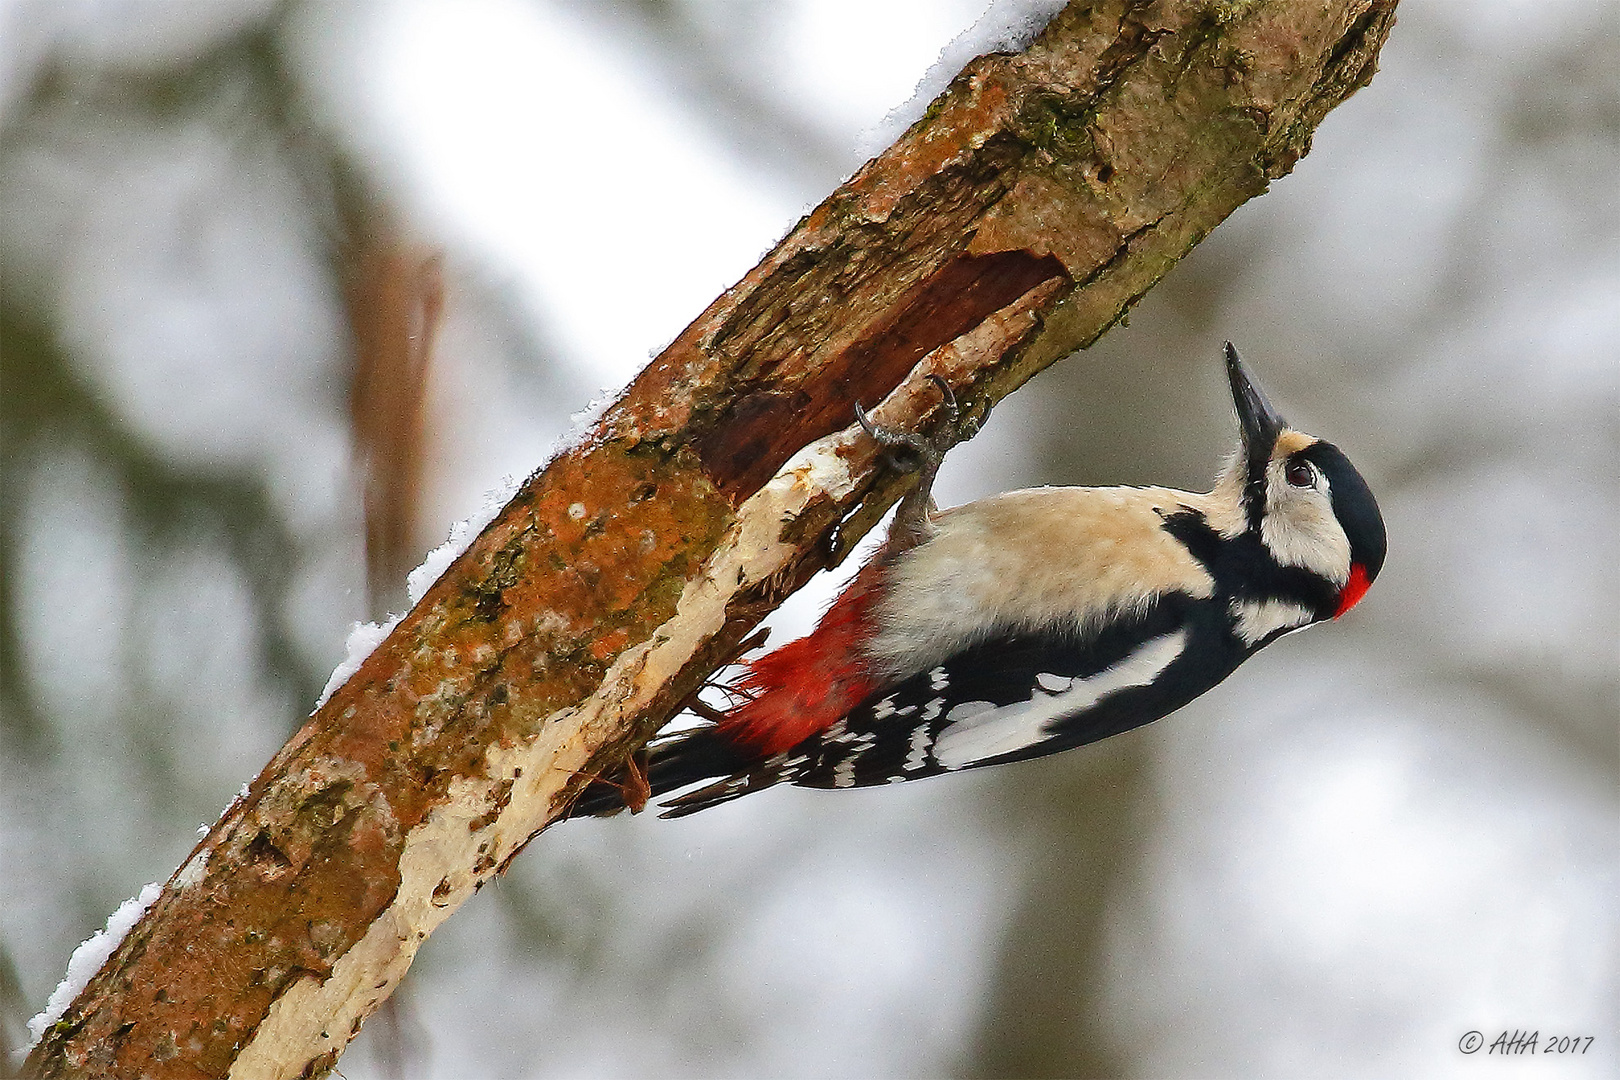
[{"x": 395, "y": 304}]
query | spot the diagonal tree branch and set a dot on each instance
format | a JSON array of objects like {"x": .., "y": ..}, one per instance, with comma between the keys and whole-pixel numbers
[{"x": 1037, "y": 200}]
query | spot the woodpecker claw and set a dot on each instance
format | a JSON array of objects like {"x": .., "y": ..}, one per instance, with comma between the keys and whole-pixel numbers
[
  {"x": 636, "y": 788},
  {"x": 959, "y": 426},
  {"x": 893, "y": 437},
  {"x": 929, "y": 452},
  {"x": 946, "y": 393},
  {"x": 911, "y": 522}
]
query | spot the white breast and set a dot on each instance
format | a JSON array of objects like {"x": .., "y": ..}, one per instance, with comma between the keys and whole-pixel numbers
[{"x": 1070, "y": 558}]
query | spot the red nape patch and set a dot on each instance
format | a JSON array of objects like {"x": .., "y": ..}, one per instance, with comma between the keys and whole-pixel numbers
[
  {"x": 808, "y": 685},
  {"x": 1353, "y": 590}
]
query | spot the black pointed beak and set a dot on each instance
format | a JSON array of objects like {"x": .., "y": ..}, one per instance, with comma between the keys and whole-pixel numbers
[{"x": 1260, "y": 422}]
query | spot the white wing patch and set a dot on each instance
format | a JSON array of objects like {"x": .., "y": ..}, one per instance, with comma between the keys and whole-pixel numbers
[
  {"x": 979, "y": 733},
  {"x": 968, "y": 710},
  {"x": 1258, "y": 619}
]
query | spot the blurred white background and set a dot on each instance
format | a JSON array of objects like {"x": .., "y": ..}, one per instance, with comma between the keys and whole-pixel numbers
[{"x": 1375, "y": 838}]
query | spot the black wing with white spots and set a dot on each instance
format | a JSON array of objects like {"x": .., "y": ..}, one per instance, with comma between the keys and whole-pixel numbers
[{"x": 1019, "y": 697}]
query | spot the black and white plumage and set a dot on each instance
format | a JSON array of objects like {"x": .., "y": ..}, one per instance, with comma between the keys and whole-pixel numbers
[{"x": 1036, "y": 621}]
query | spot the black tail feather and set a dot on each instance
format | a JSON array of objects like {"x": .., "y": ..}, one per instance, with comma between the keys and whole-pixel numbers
[{"x": 672, "y": 763}]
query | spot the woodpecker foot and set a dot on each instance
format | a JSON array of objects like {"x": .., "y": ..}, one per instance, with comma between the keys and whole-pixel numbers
[
  {"x": 635, "y": 787},
  {"x": 911, "y": 451},
  {"x": 625, "y": 786}
]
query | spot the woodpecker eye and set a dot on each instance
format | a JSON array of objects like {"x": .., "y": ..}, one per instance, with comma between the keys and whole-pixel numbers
[{"x": 1300, "y": 474}]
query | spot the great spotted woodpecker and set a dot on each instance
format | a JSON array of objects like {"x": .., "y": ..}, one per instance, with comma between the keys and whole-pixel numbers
[{"x": 1035, "y": 621}]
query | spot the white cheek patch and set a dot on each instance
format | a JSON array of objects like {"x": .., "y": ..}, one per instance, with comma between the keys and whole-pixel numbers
[
  {"x": 1259, "y": 619},
  {"x": 1299, "y": 528},
  {"x": 979, "y": 730}
]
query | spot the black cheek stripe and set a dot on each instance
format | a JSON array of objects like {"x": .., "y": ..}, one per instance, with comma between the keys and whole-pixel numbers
[{"x": 1244, "y": 569}]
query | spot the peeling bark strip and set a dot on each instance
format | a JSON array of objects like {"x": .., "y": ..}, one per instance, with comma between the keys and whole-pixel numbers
[{"x": 1038, "y": 199}]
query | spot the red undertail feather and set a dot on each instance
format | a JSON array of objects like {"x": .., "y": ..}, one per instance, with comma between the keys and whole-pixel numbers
[
  {"x": 1353, "y": 590},
  {"x": 808, "y": 685}
]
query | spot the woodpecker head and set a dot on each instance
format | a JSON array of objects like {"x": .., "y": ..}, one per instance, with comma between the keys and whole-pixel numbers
[{"x": 1302, "y": 497}]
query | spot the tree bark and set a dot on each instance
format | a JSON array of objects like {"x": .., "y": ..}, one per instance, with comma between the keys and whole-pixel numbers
[{"x": 1041, "y": 195}]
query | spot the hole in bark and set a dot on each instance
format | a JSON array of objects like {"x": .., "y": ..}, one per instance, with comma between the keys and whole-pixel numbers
[{"x": 261, "y": 849}]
